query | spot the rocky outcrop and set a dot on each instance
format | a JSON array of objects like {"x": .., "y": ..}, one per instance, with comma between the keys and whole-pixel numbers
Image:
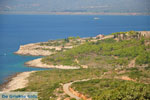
[
  {"x": 35, "y": 49},
  {"x": 38, "y": 63}
]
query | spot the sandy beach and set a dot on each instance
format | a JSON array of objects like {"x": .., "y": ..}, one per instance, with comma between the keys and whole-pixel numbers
[
  {"x": 37, "y": 63},
  {"x": 17, "y": 82}
]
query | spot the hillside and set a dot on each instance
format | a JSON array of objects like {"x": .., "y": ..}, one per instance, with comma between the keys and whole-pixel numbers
[
  {"x": 113, "y": 89},
  {"x": 122, "y": 50},
  {"x": 113, "y": 67}
]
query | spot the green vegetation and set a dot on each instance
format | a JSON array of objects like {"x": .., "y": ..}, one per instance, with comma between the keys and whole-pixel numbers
[
  {"x": 113, "y": 52},
  {"x": 46, "y": 82},
  {"x": 73, "y": 38},
  {"x": 48, "y": 49},
  {"x": 110, "y": 54},
  {"x": 143, "y": 58},
  {"x": 62, "y": 42},
  {"x": 130, "y": 33},
  {"x": 139, "y": 74},
  {"x": 113, "y": 89},
  {"x": 127, "y": 35}
]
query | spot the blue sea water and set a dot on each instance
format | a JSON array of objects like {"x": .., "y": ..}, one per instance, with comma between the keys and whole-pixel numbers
[{"x": 16, "y": 30}]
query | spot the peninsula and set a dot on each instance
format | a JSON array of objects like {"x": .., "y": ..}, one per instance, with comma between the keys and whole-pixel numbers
[{"x": 100, "y": 67}]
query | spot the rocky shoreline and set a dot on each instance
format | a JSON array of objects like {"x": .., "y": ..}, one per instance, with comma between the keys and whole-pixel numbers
[
  {"x": 33, "y": 49},
  {"x": 16, "y": 81},
  {"x": 7, "y": 80},
  {"x": 19, "y": 80}
]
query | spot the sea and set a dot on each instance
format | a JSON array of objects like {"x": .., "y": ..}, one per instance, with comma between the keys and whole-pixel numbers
[{"x": 16, "y": 30}]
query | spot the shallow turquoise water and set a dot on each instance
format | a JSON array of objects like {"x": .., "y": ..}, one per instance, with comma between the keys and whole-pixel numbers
[{"x": 16, "y": 30}]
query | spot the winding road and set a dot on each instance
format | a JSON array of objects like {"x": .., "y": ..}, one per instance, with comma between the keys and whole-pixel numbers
[
  {"x": 67, "y": 91},
  {"x": 68, "y": 85}
]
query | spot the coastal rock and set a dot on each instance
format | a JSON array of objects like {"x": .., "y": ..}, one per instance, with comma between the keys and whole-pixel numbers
[
  {"x": 20, "y": 81},
  {"x": 35, "y": 49}
]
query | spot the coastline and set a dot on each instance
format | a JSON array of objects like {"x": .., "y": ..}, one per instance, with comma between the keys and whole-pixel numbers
[
  {"x": 38, "y": 64},
  {"x": 75, "y": 13},
  {"x": 7, "y": 80},
  {"x": 32, "y": 49},
  {"x": 16, "y": 81},
  {"x": 19, "y": 80}
]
